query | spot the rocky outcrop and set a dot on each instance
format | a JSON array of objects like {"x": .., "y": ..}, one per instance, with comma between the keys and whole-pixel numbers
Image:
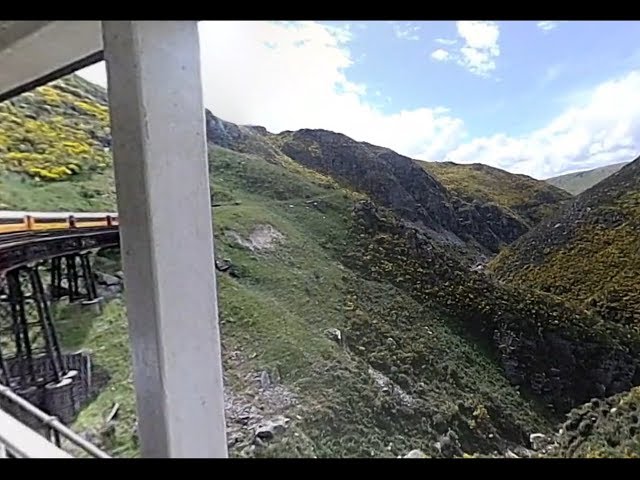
[
  {"x": 335, "y": 335},
  {"x": 399, "y": 183},
  {"x": 270, "y": 429},
  {"x": 529, "y": 199},
  {"x": 392, "y": 180},
  {"x": 108, "y": 286},
  {"x": 239, "y": 138},
  {"x": 487, "y": 223},
  {"x": 563, "y": 370},
  {"x": 259, "y": 415}
]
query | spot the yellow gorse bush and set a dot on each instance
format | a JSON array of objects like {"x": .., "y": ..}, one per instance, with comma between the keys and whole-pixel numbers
[{"x": 55, "y": 132}]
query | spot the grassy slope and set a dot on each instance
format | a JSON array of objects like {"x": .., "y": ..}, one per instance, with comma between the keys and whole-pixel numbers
[
  {"x": 578, "y": 182},
  {"x": 80, "y": 193},
  {"x": 57, "y": 132},
  {"x": 329, "y": 272},
  {"x": 531, "y": 199},
  {"x": 275, "y": 311},
  {"x": 590, "y": 253}
]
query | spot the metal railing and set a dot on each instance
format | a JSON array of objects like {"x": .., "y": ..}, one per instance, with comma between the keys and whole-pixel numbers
[
  {"x": 23, "y": 442},
  {"x": 19, "y": 441}
]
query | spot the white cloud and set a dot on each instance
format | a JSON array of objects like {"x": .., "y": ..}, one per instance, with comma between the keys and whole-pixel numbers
[
  {"x": 286, "y": 76},
  {"x": 479, "y": 50},
  {"x": 546, "y": 26},
  {"x": 481, "y": 46},
  {"x": 604, "y": 128},
  {"x": 95, "y": 73},
  {"x": 446, "y": 41},
  {"x": 406, "y": 30},
  {"x": 440, "y": 54},
  {"x": 301, "y": 81}
]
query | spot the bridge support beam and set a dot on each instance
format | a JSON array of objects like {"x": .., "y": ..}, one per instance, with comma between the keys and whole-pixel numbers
[
  {"x": 162, "y": 184},
  {"x": 73, "y": 274}
]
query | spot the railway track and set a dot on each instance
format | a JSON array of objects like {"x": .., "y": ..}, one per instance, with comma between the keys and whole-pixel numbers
[
  {"x": 19, "y": 249},
  {"x": 9, "y": 238}
]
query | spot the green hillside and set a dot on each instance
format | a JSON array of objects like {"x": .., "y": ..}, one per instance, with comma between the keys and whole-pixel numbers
[
  {"x": 589, "y": 254},
  {"x": 602, "y": 428},
  {"x": 268, "y": 325},
  {"x": 349, "y": 303},
  {"x": 531, "y": 199},
  {"x": 57, "y": 131}
]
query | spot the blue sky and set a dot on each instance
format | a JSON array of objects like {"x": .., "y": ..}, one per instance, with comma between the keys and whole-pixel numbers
[
  {"x": 535, "y": 69},
  {"x": 540, "y": 98}
]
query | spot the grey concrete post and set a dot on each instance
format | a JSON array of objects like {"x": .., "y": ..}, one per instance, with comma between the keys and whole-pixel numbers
[{"x": 162, "y": 183}]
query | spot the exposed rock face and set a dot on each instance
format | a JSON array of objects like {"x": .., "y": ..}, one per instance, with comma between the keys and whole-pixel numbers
[
  {"x": 530, "y": 199},
  {"x": 392, "y": 180},
  {"x": 567, "y": 371},
  {"x": 540, "y": 442},
  {"x": 258, "y": 415},
  {"x": 488, "y": 224},
  {"x": 106, "y": 279},
  {"x": 335, "y": 335},
  {"x": 262, "y": 237},
  {"x": 399, "y": 183},
  {"x": 239, "y": 137},
  {"x": 108, "y": 286},
  {"x": 389, "y": 387}
]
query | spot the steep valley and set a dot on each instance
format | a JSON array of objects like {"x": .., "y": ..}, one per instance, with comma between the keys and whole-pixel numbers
[{"x": 358, "y": 317}]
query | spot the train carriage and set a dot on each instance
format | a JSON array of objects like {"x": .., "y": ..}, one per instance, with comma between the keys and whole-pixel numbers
[{"x": 22, "y": 221}]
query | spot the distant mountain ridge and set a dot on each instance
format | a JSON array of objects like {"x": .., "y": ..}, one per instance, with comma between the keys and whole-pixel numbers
[{"x": 578, "y": 182}]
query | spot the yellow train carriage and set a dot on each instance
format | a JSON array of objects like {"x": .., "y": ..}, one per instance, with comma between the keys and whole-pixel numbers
[{"x": 16, "y": 222}]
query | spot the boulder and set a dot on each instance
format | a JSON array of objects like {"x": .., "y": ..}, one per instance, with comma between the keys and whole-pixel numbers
[
  {"x": 415, "y": 454},
  {"x": 270, "y": 429},
  {"x": 334, "y": 334}
]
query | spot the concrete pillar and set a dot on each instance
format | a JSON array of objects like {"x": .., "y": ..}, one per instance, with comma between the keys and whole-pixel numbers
[
  {"x": 58, "y": 399},
  {"x": 162, "y": 183}
]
